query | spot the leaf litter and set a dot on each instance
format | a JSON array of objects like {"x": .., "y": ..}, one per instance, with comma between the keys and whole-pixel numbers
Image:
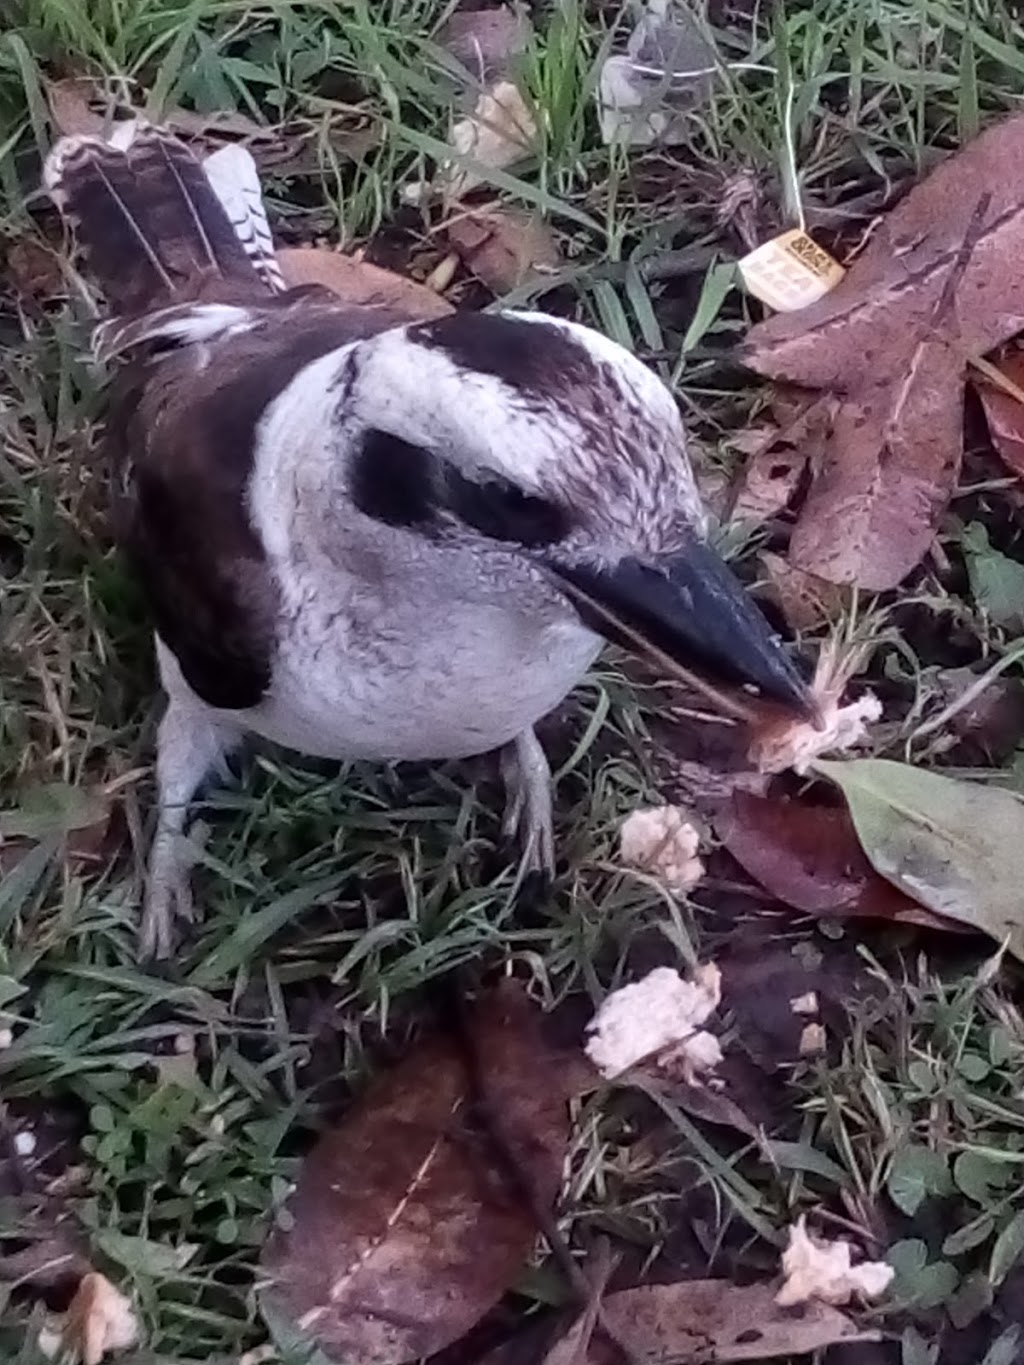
[
  {"x": 933, "y": 291},
  {"x": 702, "y": 1322},
  {"x": 808, "y": 856},
  {"x": 955, "y": 847},
  {"x": 329, "y": 1217},
  {"x": 669, "y": 67},
  {"x": 403, "y": 1230}
]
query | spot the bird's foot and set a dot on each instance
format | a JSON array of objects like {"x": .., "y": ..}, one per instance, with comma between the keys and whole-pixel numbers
[
  {"x": 168, "y": 896},
  {"x": 192, "y": 742},
  {"x": 528, "y": 812}
]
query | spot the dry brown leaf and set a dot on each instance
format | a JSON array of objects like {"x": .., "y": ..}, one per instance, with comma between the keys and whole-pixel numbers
[
  {"x": 707, "y": 1321},
  {"x": 486, "y": 41},
  {"x": 76, "y": 106},
  {"x": 79, "y": 106},
  {"x": 359, "y": 283},
  {"x": 935, "y": 287},
  {"x": 885, "y": 306},
  {"x": 34, "y": 269},
  {"x": 767, "y": 483},
  {"x": 805, "y": 600},
  {"x": 1003, "y": 412},
  {"x": 100, "y": 1319},
  {"x": 403, "y": 1233},
  {"x": 809, "y": 857},
  {"x": 771, "y": 475},
  {"x": 888, "y": 472},
  {"x": 503, "y": 247}
]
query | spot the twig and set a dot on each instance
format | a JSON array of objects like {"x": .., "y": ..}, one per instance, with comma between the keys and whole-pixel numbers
[
  {"x": 996, "y": 378},
  {"x": 969, "y": 694},
  {"x": 601, "y": 1267},
  {"x": 731, "y": 705},
  {"x": 975, "y": 228}
]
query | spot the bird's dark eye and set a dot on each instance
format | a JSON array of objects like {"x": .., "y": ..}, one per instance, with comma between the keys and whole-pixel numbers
[
  {"x": 402, "y": 484},
  {"x": 394, "y": 481},
  {"x": 498, "y": 509}
]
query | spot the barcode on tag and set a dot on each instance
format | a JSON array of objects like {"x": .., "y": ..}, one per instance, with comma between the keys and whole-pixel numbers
[{"x": 790, "y": 271}]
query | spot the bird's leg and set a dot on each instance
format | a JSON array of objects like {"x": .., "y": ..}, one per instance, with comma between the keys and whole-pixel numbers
[
  {"x": 190, "y": 745},
  {"x": 528, "y": 812}
]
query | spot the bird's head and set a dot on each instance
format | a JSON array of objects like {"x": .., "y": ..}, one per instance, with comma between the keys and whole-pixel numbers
[{"x": 550, "y": 441}]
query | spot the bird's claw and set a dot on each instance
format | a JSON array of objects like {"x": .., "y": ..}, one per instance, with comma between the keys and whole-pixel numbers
[
  {"x": 168, "y": 897},
  {"x": 528, "y": 817}
]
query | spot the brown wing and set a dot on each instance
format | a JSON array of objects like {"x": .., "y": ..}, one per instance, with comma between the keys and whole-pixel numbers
[
  {"x": 182, "y": 435},
  {"x": 182, "y": 418}
]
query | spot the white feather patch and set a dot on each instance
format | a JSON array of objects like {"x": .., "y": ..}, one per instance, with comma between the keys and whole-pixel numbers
[
  {"x": 235, "y": 180},
  {"x": 189, "y": 324}
]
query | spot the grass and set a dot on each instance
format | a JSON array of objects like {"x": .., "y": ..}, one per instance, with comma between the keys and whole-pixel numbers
[{"x": 333, "y": 900}]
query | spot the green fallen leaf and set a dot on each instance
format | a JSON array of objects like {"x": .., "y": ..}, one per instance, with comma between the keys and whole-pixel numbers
[
  {"x": 142, "y": 1256},
  {"x": 997, "y": 581},
  {"x": 977, "y": 1176},
  {"x": 955, "y": 847},
  {"x": 1006, "y": 1350},
  {"x": 919, "y": 1281},
  {"x": 1007, "y": 1250},
  {"x": 53, "y": 808},
  {"x": 916, "y": 1173},
  {"x": 969, "y": 1237}
]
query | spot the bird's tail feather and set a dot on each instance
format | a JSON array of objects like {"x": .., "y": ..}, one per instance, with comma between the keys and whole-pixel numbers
[
  {"x": 148, "y": 221},
  {"x": 236, "y": 183}
]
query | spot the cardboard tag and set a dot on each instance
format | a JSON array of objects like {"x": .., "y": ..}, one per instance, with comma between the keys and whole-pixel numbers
[{"x": 790, "y": 271}]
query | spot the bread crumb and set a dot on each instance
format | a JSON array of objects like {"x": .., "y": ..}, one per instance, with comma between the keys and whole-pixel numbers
[
  {"x": 805, "y": 1004},
  {"x": 25, "y": 1143},
  {"x": 818, "y": 1269},
  {"x": 500, "y": 131},
  {"x": 258, "y": 1355},
  {"x": 796, "y": 744},
  {"x": 99, "y": 1319},
  {"x": 780, "y": 742},
  {"x": 660, "y": 840},
  {"x": 658, "y": 1019}
]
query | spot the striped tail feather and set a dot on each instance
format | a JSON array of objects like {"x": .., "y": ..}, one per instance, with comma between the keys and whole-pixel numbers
[
  {"x": 232, "y": 173},
  {"x": 148, "y": 221}
]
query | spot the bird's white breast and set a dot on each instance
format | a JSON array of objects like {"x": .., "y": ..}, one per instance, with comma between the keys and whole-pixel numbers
[{"x": 429, "y": 684}]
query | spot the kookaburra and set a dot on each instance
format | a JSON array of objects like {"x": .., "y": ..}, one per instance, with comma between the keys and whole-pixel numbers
[{"x": 364, "y": 536}]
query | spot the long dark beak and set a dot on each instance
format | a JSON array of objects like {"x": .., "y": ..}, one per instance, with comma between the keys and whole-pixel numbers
[{"x": 691, "y": 608}]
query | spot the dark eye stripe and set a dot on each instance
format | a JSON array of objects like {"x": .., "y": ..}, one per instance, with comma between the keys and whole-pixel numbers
[
  {"x": 394, "y": 481},
  {"x": 402, "y": 484}
]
